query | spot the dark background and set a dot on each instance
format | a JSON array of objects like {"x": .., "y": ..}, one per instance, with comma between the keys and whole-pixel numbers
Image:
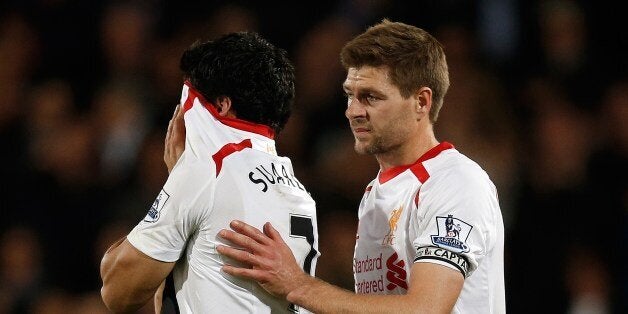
[{"x": 538, "y": 97}]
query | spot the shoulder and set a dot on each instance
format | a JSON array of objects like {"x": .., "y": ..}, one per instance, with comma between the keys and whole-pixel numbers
[
  {"x": 191, "y": 175},
  {"x": 193, "y": 165},
  {"x": 456, "y": 174},
  {"x": 460, "y": 187},
  {"x": 452, "y": 165}
]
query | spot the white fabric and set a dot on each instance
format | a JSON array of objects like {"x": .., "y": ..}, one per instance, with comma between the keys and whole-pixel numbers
[
  {"x": 253, "y": 185},
  {"x": 453, "y": 185}
]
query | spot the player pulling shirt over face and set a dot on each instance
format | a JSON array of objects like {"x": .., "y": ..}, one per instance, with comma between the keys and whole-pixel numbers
[{"x": 229, "y": 170}]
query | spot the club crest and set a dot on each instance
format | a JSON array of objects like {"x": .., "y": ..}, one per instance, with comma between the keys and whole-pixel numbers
[
  {"x": 158, "y": 205},
  {"x": 452, "y": 234}
]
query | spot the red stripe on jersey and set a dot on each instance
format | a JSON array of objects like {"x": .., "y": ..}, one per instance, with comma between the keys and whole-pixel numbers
[
  {"x": 416, "y": 198},
  {"x": 369, "y": 188},
  {"x": 227, "y": 150},
  {"x": 187, "y": 105},
  {"x": 416, "y": 167},
  {"x": 420, "y": 172},
  {"x": 232, "y": 122},
  {"x": 435, "y": 151}
]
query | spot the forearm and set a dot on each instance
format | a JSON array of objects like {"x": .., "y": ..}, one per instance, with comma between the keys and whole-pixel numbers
[
  {"x": 433, "y": 288},
  {"x": 158, "y": 300},
  {"x": 109, "y": 260},
  {"x": 120, "y": 291},
  {"x": 321, "y": 297}
]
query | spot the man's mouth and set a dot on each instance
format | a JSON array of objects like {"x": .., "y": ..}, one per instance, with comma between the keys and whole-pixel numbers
[{"x": 360, "y": 130}]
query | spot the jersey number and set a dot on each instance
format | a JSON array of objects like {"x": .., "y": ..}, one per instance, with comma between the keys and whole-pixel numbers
[{"x": 302, "y": 227}]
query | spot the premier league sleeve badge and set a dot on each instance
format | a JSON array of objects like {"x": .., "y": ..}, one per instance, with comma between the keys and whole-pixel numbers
[
  {"x": 158, "y": 205},
  {"x": 452, "y": 234}
]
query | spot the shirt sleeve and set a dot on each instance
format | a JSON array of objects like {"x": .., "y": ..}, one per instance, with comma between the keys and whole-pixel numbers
[
  {"x": 180, "y": 206},
  {"x": 458, "y": 226}
]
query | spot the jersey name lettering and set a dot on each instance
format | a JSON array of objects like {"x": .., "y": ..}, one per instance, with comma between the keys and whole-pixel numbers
[{"x": 265, "y": 175}]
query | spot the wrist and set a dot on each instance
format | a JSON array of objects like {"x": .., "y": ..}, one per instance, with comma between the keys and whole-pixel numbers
[{"x": 303, "y": 287}]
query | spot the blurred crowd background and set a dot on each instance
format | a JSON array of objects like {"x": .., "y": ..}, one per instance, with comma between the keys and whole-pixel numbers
[{"x": 538, "y": 97}]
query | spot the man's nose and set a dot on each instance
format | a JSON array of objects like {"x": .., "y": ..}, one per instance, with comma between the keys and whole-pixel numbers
[{"x": 355, "y": 109}]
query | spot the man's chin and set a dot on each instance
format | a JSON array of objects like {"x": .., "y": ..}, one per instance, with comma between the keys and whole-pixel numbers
[{"x": 362, "y": 149}]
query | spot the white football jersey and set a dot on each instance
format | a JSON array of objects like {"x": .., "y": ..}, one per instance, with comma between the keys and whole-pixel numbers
[
  {"x": 442, "y": 209},
  {"x": 229, "y": 170}
]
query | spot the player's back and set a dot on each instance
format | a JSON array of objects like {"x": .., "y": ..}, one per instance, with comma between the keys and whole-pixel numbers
[{"x": 242, "y": 178}]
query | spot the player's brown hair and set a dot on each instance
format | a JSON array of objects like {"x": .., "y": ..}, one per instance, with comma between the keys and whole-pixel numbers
[{"x": 413, "y": 56}]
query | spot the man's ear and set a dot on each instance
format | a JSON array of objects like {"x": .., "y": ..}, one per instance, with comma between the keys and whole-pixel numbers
[
  {"x": 422, "y": 102},
  {"x": 223, "y": 105}
]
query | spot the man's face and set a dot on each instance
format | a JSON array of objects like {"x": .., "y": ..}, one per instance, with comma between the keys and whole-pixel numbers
[{"x": 380, "y": 118}]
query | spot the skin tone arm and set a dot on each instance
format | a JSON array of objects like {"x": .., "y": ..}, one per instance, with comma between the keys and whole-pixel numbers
[
  {"x": 159, "y": 297},
  {"x": 130, "y": 277},
  {"x": 432, "y": 289}
]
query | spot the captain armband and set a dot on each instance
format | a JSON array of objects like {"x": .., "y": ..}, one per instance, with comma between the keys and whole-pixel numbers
[{"x": 446, "y": 256}]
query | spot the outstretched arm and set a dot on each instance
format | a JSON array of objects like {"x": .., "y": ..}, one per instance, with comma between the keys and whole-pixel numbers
[{"x": 433, "y": 288}]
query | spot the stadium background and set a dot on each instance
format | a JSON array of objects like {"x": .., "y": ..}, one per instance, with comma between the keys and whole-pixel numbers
[{"x": 539, "y": 98}]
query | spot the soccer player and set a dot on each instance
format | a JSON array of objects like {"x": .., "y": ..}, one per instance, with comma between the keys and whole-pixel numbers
[
  {"x": 236, "y": 97},
  {"x": 430, "y": 235}
]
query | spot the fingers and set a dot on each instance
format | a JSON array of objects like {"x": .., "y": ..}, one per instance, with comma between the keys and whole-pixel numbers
[
  {"x": 169, "y": 132},
  {"x": 249, "y": 231},
  {"x": 177, "y": 118},
  {"x": 177, "y": 139},
  {"x": 272, "y": 233},
  {"x": 171, "y": 122},
  {"x": 248, "y": 273},
  {"x": 241, "y": 256},
  {"x": 176, "y": 111},
  {"x": 243, "y": 241},
  {"x": 174, "y": 143}
]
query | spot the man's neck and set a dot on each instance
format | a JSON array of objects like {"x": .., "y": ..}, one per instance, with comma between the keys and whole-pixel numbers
[{"x": 408, "y": 153}]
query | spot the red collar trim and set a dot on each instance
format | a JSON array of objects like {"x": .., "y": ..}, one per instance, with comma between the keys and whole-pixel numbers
[
  {"x": 387, "y": 175},
  {"x": 239, "y": 124}
]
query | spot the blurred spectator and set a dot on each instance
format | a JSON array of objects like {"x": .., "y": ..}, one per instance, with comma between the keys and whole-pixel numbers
[
  {"x": 318, "y": 137},
  {"x": 18, "y": 58},
  {"x": 53, "y": 301},
  {"x": 337, "y": 232},
  {"x": 498, "y": 31},
  {"x": 476, "y": 116},
  {"x": 608, "y": 183},
  {"x": 92, "y": 303},
  {"x": 126, "y": 32},
  {"x": 21, "y": 269},
  {"x": 122, "y": 121},
  {"x": 565, "y": 55},
  {"x": 319, "y": 109},
  {"x": 62, "y": 197},
  {"x": 129, "y": 203},
  {"x": 553, "y": 228}
]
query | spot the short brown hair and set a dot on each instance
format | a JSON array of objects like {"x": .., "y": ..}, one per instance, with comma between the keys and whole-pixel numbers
[{"x": 414, "y": 57}]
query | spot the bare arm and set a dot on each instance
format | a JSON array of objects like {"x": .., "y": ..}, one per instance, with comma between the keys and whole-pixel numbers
[
  {"x": 433, "y": 288},
  {"x": 130, "y": 277},
  {"x": 158, "y": 299}
]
